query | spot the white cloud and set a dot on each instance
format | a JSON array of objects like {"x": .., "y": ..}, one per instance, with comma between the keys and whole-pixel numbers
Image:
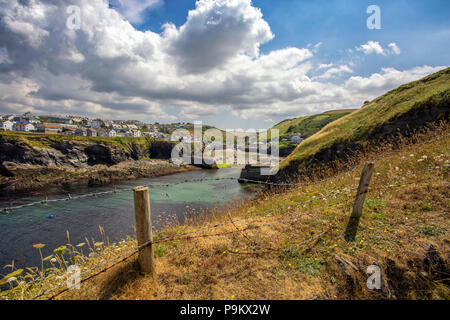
[
  {"x": 333, "y": 72},
  {"x": 214, "y": 32},
  {"x": 325, "y": 66},
  {"x": 375, "y": 47},
  {"x": 110, "y": 69},
  {"x": 387, "y": 79},
  {"x": 371, "y": 47},
  {"x": 133, "y": 10},
  {"x": 316, "y": 47},
  {"x": 395, "y": 49}
]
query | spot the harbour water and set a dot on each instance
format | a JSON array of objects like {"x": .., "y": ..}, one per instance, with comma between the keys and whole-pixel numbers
[{"x": 114, "y": 212}]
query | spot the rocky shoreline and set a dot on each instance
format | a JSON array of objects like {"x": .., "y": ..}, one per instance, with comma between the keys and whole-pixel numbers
[
  {"x": 38, "y": 180},
  {"x": 33, "y": 164}
]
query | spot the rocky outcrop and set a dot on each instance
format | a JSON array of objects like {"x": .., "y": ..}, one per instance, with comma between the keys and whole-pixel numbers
[
  {"x": 27, "y": 164},
  {"x": 160, "y": 149},
  {"x": 253, "y": 173},
  {"x": 78, "y": 153}
]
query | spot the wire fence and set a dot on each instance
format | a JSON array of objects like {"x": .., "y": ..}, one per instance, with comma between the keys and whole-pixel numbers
[
  {"x": 160, "y": 185},
  {"x": 195, "y": 234},
  {"x": 257, "y": 248}
]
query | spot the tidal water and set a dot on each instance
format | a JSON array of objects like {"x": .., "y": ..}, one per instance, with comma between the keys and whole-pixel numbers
[{"x": 114, "y": 212}]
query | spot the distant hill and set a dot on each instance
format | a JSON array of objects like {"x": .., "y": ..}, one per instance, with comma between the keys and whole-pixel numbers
[
  {"x": 400, "y": 111},
  {"x": 306, "y": 126}
]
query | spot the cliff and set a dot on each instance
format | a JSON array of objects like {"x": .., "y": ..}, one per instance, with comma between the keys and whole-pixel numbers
[
  {"x": 398, "y": 114},
  {"x": 32, "y": 161}
]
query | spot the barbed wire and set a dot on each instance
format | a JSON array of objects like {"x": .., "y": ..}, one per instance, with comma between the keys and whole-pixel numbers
[
  {"x": 100, "y": 193},
  {"x": 133, "y": 251},
  {"x": 126, "y": 255},
  {"x": 185, "y": 236}
]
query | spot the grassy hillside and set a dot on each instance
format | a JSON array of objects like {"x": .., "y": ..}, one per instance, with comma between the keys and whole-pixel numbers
[
  {"x": 47, "y": 140},
  {"x": 286, "y": 249},
  {"x": 402, "y": 110},
  {"x": 306, "y": 126}
]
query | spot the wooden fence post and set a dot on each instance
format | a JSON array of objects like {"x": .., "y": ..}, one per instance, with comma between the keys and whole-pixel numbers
[
  {"x": 144, "y": 229},
  {"x": 352, "y": 226}
]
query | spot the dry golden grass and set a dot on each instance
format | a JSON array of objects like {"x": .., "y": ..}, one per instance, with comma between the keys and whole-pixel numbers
[{"x": 407, "y": 209}]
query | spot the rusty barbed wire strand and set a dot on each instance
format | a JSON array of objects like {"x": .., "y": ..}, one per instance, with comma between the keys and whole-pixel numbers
[
  {"x": 180, "y": 237},
  {"x": 133, "y": 251},
  {"x": 94, "y": 194}
]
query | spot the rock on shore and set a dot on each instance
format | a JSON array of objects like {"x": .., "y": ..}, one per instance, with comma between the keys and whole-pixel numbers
[{"x": 33, "y": 162}]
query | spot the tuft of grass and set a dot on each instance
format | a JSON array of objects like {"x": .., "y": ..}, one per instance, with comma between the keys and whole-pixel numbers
[
  {"x": 375, "y": 204},
  {"x": 426, "y": 207},
  {"x": 301, "y": 263},
  {"x": 429, "y": 230}
]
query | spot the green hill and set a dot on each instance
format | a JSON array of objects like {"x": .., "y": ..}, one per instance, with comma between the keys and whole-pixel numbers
[
  {"x": 306, "y": 126},
  {"x": 400, "y": 111}
]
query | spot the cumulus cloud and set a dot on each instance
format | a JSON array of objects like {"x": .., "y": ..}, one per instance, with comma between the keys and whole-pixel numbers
[
  {"x": 108, "y": 68},
  {"x": 333, "y": 72},
  {"x": 375, "y": 47},
  {"x": 394, "y": 48},
  {"x": 214, "y": 32},
  {"x": 388, "y": 78},
  {"x": 133, "y": 10},
  {"x": 371, "y": 47},
  {"x": 325, "y": 65}
]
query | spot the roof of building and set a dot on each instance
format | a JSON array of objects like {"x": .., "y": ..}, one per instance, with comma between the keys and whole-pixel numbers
[{"x": 55, "y": 126}]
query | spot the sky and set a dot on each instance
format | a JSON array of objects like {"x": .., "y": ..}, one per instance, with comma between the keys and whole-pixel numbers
[{"x": 235, "y": 64}]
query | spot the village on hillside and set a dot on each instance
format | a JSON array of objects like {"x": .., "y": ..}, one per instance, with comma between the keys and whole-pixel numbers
[{"x": 84, "y": 126}]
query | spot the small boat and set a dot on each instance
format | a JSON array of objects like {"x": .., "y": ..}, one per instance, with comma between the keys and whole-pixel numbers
[{"x": 52, "y": 216}]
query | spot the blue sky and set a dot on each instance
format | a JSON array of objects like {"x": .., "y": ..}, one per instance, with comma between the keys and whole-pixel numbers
[
  {"x": 420, "y": 28},
  {"x": 219, "y": 61}
]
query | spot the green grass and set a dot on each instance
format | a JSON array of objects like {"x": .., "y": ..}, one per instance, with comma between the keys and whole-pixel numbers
[
  {"x": 358, "y": 126},
  {"x": 37, "y": 140},
  {"x": 429, "y": 230},
  {"x": 302, "y": 263},
  {"x": 306, "y": 126},
  {"x": 309, "y": 125}
]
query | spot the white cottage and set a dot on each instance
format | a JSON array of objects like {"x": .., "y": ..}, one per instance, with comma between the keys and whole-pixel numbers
[
  {"x": 23, "y": 127},
  {"x": 6, "y": 125}
]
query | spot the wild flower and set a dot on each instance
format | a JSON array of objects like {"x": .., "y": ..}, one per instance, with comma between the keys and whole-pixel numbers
[
  {"x": 60, "y": 250},
  {"x": 39, "y": 246}
]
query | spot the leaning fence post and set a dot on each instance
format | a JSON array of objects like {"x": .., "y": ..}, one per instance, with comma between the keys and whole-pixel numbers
[
  {"x": 144, "y": 229},
  {"x": 352, "y": 226}
]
